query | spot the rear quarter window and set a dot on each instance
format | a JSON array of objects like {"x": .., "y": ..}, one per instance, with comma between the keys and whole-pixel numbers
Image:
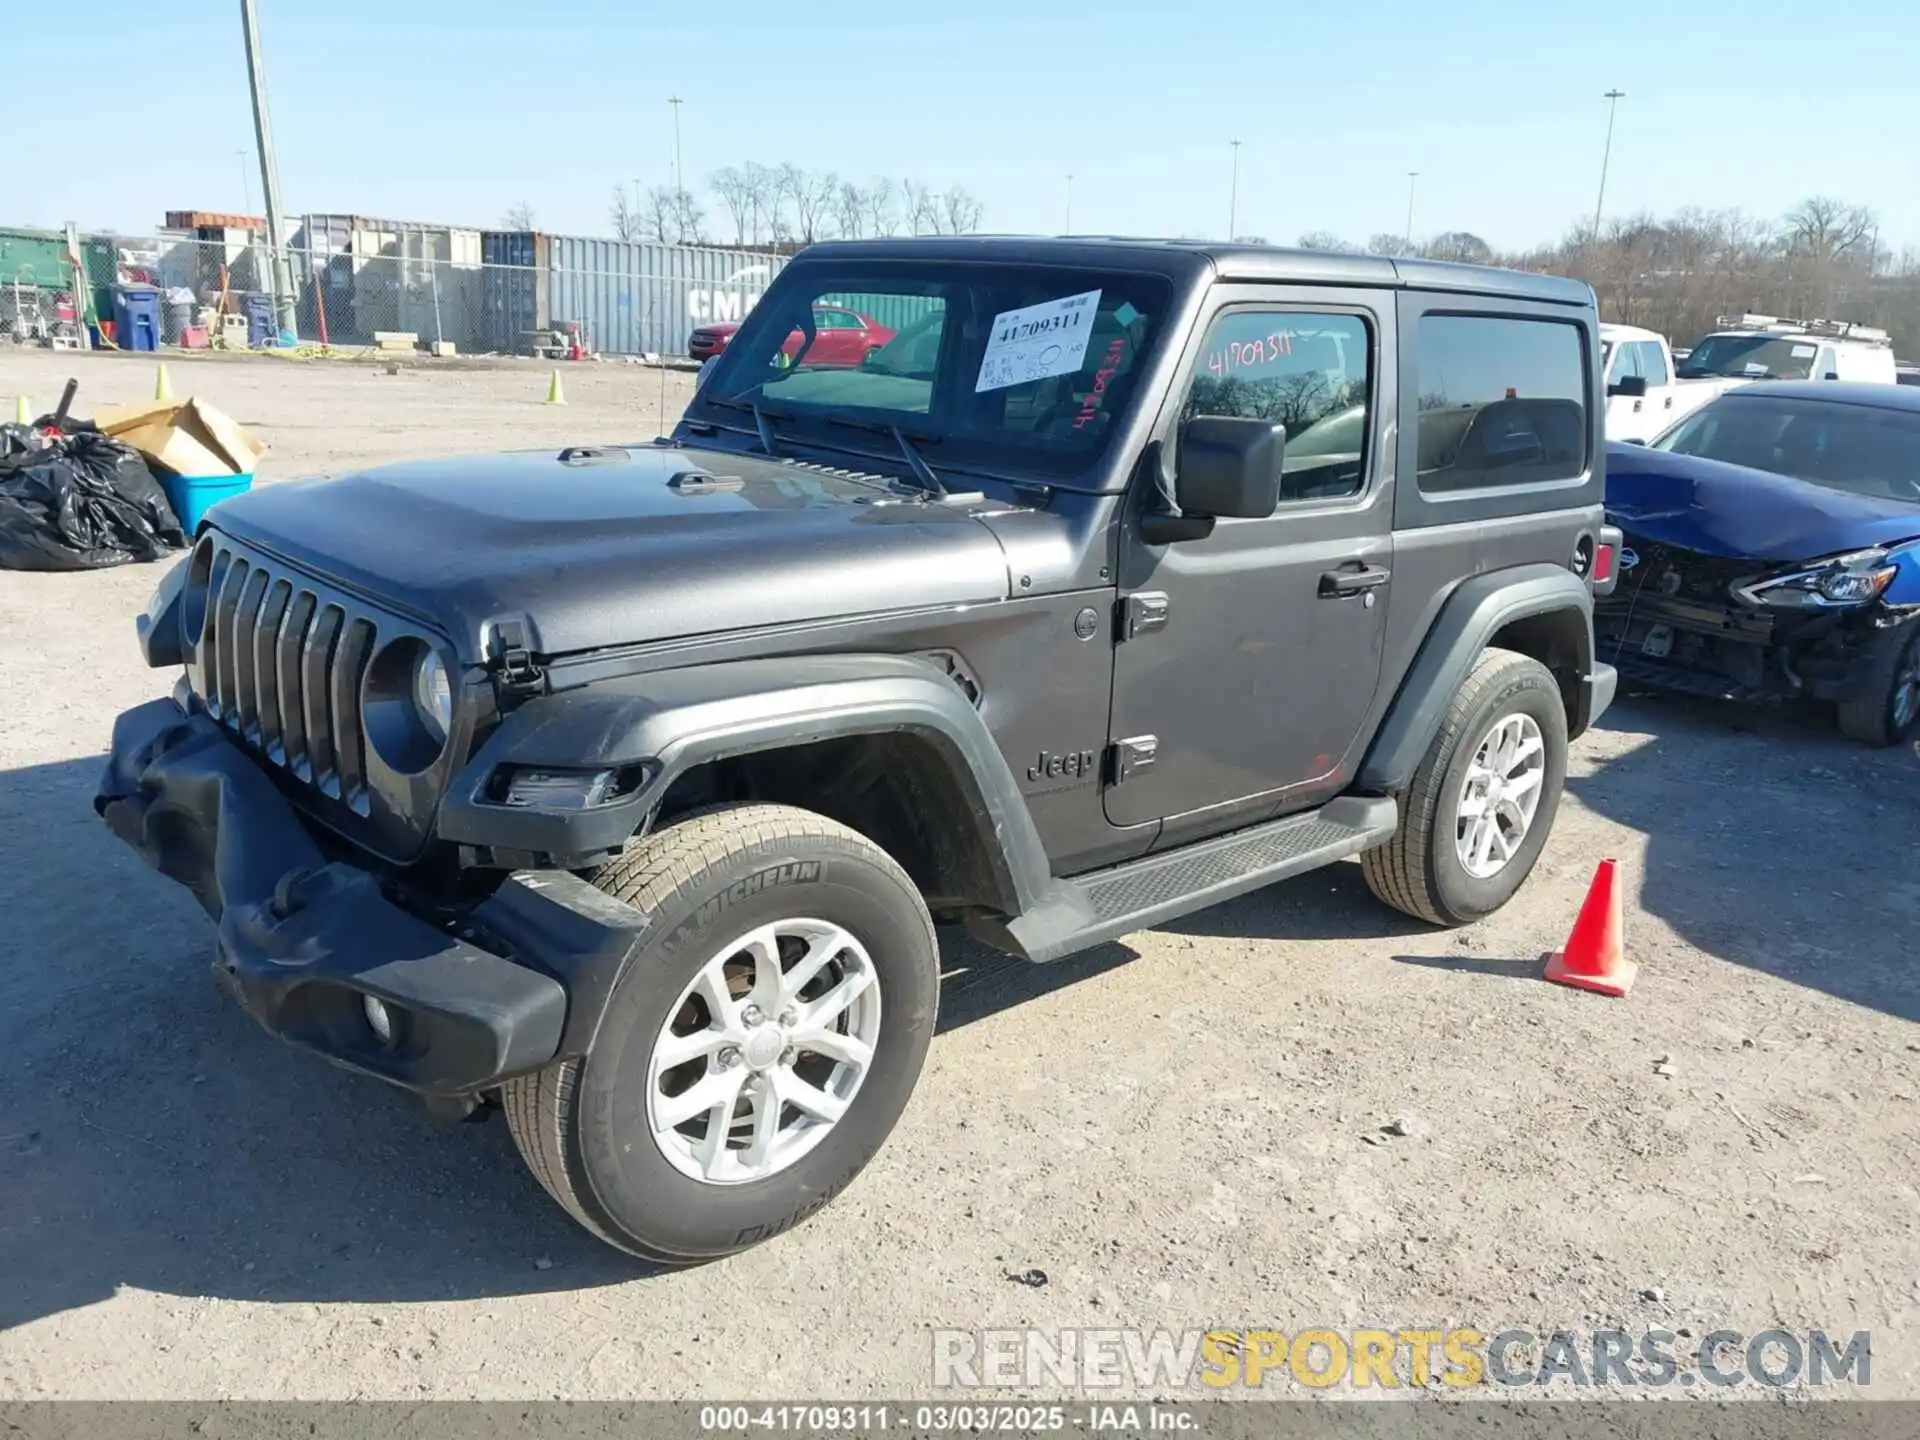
[{"x": 1502, "y": 402}]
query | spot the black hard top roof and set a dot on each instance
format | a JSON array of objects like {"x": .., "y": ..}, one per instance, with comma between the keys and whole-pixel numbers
[
  {"x": 1184, "y": 258},
  {"x": 1839, "y": 392}
]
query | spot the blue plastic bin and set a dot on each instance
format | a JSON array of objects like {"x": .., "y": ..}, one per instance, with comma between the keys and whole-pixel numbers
[
  {"x": 262, "y": 326},
  {"x": 193, "y": 495},
  {"x": 136, "y": 317}
]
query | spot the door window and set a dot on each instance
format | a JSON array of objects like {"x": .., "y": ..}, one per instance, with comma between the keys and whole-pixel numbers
[
  {"x": 1310, "y": 372},
  {"x": 1626, "y": 363},
  {"x": 836, "y": 320},
  {"x": 1502, "y": 402},
  {"x": 1653, "y": 362}
]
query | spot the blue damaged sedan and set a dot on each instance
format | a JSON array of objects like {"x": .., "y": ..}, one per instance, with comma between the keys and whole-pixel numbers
[{"x": 1772, "y": 550}]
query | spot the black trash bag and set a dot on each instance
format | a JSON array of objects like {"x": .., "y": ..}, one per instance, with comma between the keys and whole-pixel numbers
[{"x": 79, "y": 501}]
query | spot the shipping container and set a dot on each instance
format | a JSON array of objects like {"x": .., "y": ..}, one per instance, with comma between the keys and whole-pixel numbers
[
  {"x": 374, "y": 274},
  {"x": 36, "y": 258},
  {"x": 639, "y": 297},
  {"x": 323, "y": 266},
  {"x": 513, "y": 290}
]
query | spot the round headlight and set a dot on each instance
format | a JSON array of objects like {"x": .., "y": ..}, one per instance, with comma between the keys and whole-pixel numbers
[{"x": 433, "y": 694}]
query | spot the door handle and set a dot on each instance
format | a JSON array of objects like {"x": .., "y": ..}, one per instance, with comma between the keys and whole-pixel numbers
[
  {"x": 1337, "y": 583},
  {"x": 1669, "y": 404},
  {"x": 1636, "y": 407}
]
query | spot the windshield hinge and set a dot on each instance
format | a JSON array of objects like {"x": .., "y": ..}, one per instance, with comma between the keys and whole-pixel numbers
[{"x": 512, "y": 659}]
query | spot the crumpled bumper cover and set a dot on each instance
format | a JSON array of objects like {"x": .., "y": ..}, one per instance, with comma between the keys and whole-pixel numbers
[{"x": 303, "y": 939}]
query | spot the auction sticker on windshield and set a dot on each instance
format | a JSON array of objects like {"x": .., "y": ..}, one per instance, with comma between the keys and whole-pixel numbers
[{"x": 1037, "y": 341}]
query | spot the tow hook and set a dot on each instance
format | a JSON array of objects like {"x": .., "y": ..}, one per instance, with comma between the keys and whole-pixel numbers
[{"x": 289, "y": 894}]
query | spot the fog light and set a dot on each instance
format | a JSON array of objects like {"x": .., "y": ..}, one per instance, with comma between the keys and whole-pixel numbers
[{"x": 379, "y": 1019}]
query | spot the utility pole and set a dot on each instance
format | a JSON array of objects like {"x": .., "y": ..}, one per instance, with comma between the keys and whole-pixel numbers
[
  {"x": 1069, "y": 229},
  {"x": 679, "y": 183},
  {"x": 1613, "y": 99},
  {"x": 1413, "y": 178},
  {"x": 1233, "y": 197},
  {"x": 282, "y": 266}
]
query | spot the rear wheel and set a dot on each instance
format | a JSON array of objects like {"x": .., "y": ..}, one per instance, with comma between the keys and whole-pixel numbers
[
  {"x": 1887, "y": 709},
  {"x": 760, "y": 1048},
  {"x": 1483, "y": 800}
]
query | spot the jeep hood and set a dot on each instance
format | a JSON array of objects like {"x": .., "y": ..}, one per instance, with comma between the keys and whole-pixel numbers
[
  {"x": 606, "y": 550},
  {"x": 1737, "y": 513}
]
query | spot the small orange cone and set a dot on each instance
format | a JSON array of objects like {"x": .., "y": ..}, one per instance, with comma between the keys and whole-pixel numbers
[{"x": 1593, "y": 958}]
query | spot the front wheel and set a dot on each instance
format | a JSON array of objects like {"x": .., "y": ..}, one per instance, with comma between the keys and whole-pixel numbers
[
  {"x": 1482, "y": 802},
  {"x": 760, "y": 1047},
  {"x": 1887, "y": 709}
]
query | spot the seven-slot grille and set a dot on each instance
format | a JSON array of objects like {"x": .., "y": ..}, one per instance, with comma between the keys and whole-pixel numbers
[{"x": 280, "y": 663}]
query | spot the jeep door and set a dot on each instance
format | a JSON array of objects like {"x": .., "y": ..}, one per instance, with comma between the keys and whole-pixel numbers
[{"x": 1254, "y": 653}]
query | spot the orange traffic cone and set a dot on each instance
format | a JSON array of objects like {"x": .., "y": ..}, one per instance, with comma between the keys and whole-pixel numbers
[{"x": 1593, "y": 959}]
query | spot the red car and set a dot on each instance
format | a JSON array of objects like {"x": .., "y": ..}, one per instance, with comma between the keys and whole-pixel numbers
[{"x": 844, "y": 338}]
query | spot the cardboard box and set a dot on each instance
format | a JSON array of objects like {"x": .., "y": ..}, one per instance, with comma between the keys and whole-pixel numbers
[{"x": 185, "y": 437}]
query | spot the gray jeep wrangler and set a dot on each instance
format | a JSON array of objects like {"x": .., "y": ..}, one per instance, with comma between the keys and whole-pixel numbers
[{"x": 621, "y": 789}]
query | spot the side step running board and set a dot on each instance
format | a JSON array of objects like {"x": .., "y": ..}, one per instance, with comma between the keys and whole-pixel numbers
[{"x": 1092, "y": 909}]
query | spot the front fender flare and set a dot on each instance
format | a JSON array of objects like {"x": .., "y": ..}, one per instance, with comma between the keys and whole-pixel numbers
[
  {"x": 673, "y": 720},
  {"x": 1477, "y": 610}
]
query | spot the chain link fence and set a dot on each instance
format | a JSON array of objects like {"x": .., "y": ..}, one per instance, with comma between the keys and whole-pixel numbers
[{"x": 368, "y": 289}]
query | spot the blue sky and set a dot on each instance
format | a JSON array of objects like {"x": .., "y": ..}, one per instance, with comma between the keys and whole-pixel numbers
[{"x": 447, "y": 112}]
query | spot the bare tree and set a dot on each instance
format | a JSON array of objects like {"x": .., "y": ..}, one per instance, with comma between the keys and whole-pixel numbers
[
  {"x": 1822, "y": 228},
  {"x": 519, "y": 216},
  {"x": 1460, "y": 246},
  {"x": 1327, "y": 240},
  {"x": 763, "y": 198},
  {"x": 688, "y": 217},
  {"x": 960, "y": 211},
  {"x": 883, "y": 216},
  {"x": 660, "y": 214},
  {"x": 811, "y": 197},
  {"x": 625, "y": 214},
  {"x": 735, "y": 187},
  {"x": 850, "y": 209},
  {"x": 922, "y": 207},
  {"x": 1391, "y": 246}
]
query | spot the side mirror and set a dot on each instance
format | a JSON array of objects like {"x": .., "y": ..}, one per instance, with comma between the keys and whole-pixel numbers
[
  {"x": 1831, "y": 375},
  {"x": 1229, "y": 468},
  {"x": 1634, "y": 387}
]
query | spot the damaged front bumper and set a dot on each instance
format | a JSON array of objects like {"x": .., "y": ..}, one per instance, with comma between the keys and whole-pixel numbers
[
  {"x": 306, "y": 939},
  {"x": 1730, "y": 652}
]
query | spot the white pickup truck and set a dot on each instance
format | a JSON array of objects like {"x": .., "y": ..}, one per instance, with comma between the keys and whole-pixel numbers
[
  {"x": 1644, "y": 393},
  {"x": 1647, "y": 391}
]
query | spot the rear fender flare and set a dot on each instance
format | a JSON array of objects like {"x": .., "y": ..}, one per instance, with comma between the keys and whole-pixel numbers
[
  {"x": 1478, "y": 609},
  {"x": 671, "y": 721}
]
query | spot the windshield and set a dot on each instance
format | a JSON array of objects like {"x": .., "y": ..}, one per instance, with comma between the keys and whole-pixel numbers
[
  {"x": 1026, "y": 368},
  {"x": 1856, "y": 448},
  {"x": 1751, "y": 357}
]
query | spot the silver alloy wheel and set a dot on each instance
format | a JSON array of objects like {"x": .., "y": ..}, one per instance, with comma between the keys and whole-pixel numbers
[
  {"x": 1906, "y": 688},
  {"x": 1500, "y": 795},
  {"x": 763, "y": 1052}
]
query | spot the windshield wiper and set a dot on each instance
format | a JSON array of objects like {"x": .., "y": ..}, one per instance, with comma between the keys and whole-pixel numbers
[
  {"x": 923, "y": 473},
  {"x": 762, "y": 422}
]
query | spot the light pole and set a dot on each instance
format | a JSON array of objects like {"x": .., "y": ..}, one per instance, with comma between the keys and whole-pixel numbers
[
  {"x": 1233, "y": 196},
  {"x": 678, "y": 182},
  {"x": 1613, "y": 99},
  {"x": 1069, "y": 229},
  {"x": 282, "y": 268},
  {"x": 1413, "y": 177}
]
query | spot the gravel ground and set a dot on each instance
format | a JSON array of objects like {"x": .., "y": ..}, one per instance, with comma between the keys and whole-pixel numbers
[{"x": 1183, "y": 1130}]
